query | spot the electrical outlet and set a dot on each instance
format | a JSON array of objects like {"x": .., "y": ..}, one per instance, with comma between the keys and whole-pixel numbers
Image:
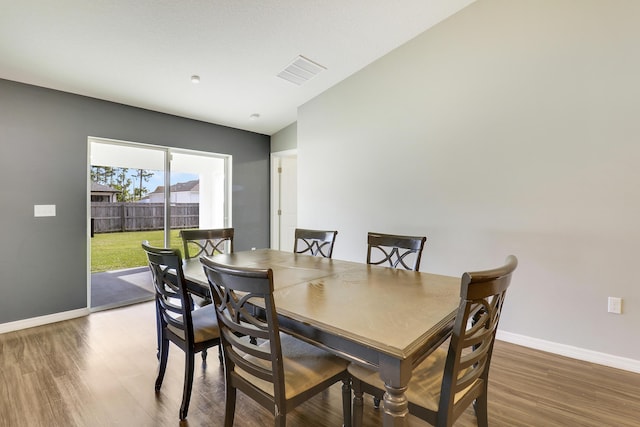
[{"x": 615, "y": 305}]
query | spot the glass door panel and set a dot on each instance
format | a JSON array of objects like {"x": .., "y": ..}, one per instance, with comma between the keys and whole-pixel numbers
[
  {"x": 198, "y": 191},
  {"x": 124, "y": 211}
]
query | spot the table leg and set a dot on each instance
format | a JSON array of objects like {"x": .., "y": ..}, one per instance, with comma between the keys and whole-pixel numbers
[
  {"x": 396, "y": 406},
  {"x": 396, "y": 374}
]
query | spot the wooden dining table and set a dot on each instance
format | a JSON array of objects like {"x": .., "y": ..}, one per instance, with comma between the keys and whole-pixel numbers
[{"x": 385, "y": 318}]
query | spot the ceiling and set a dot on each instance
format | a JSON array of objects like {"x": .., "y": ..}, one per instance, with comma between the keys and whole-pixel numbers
[{"x": 144, "y": 52}]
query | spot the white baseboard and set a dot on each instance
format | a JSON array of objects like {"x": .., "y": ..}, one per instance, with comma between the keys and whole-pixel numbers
[
  {"x": 572, "y": 352},
  {"x": 42, "y": 320}
]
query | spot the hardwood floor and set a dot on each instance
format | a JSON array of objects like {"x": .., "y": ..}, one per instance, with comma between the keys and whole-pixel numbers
[{"x": 100, "y": 371}]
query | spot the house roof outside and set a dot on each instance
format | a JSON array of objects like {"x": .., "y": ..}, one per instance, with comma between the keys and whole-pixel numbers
[
  {"x": 95, "y": 187},
  {"x": 193, "y": 185}
]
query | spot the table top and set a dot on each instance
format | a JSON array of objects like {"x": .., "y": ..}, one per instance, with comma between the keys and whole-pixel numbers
[{"x": 390, "y": 310}]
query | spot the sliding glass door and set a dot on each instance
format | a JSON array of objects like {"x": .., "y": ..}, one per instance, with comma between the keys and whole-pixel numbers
[{"x": 143, "y": 192}]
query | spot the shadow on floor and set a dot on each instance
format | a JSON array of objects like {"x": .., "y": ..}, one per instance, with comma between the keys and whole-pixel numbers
[{"x": 122, "y": 287}]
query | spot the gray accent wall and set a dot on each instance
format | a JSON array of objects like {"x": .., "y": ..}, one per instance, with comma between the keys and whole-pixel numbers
[
  {"x": 511, "y": 127},
  {"x": 43, "y": 152}
]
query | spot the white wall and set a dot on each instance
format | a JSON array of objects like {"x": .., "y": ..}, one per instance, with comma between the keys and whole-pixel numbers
[
  {"x": 512, "y": 127},
  {"x": 285, "y": 139}
]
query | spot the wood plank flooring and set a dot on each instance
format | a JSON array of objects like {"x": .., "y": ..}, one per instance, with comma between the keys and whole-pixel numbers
[{"x": 100, "y": 371}]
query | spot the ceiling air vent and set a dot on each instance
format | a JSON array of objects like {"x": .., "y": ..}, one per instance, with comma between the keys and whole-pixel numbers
[{"x": 300, "y": 70}]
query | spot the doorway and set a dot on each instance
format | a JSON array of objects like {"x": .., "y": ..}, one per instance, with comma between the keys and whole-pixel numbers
[
  {"x": 143, "y": 192},
  {"x": 284, "y": 199}
]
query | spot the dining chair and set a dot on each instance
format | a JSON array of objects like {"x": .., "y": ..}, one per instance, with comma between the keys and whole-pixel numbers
[
  {"x": 314, "y": 242},
  {"x": 207, "y": 242},
  {"x": 191, "y": 330},
  {"x": 448, "y": 381},
  {"x": 395, "y": 251},
  {"x": 276, "y": 370}
]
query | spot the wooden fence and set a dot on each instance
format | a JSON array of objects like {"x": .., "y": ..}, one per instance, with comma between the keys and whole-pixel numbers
[{"x": 118, "y": 217}]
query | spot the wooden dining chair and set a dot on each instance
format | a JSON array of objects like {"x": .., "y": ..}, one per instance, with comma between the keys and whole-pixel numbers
[
  {"x": 448, "y": 381},
  {"x": 207, "y": 242},
  {"x": 395, "y": 251},
  {"x": 314, "y": 242},
  {"x": 190, "y": 330},
  {"x": 278, "y": 371}
]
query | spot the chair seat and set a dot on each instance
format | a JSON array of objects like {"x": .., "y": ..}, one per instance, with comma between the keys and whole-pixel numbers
[
  {"x": 205, "y": 325},
  {"x": 425, "y": 383},
  {"x": 305, "y": 366}
]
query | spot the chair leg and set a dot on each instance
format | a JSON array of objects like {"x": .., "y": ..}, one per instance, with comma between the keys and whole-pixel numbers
[
  {"x": 346, "y": 402},
  {"x": 357, "y": 404},
  {"x": 376, "y": 402},
  {"x": 480, "y": 406},
  {"x": 280, "y": 420},
  {"x": 158, "y": 330},
  {"x": 220, "y": 357},
  {"x": 204, "y": 355},
  {"x": 162, "y": 367},
  {"x": 229, "y": 405},
  {"x": 188, "y": 382}
]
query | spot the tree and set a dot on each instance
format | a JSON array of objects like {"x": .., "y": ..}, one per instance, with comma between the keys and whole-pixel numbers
[
  {"x": 142, "y": 175},
  {"x": 121, "y": 179},
  {"x": 102, "y": 174},
  {"x": 122, "y": 182},
  {"x": 96, "y": 174}
]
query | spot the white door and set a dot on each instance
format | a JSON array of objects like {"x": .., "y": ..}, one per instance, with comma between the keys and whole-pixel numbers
[{"x": 284, "y": 208}]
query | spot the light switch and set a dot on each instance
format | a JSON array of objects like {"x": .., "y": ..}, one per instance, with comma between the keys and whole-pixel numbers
[{"x": 44, "y": 210}]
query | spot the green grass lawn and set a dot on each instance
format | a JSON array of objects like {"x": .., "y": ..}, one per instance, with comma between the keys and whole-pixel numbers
[{"x": 115, "y": 251}]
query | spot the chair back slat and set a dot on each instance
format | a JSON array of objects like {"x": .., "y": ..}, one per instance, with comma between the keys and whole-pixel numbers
[
  {"x": 207, "y": 242},
  {"x": 314, "y": 242},
  {"x": 395, "y": 251}
]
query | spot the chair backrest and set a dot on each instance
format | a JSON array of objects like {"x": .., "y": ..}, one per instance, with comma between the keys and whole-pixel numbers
[
  {"x": 314, "y": 242},
  {"x": 207, "y": 242},
  {"x": 466, "y": 371},
  {"x": 395, "y": 251},
  {"x": 237, "y": 294},
  {"x": 173, "y": 302}
]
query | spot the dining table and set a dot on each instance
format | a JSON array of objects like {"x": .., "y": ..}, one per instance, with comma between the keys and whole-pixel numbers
[{"x": 386, "y": 318}]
